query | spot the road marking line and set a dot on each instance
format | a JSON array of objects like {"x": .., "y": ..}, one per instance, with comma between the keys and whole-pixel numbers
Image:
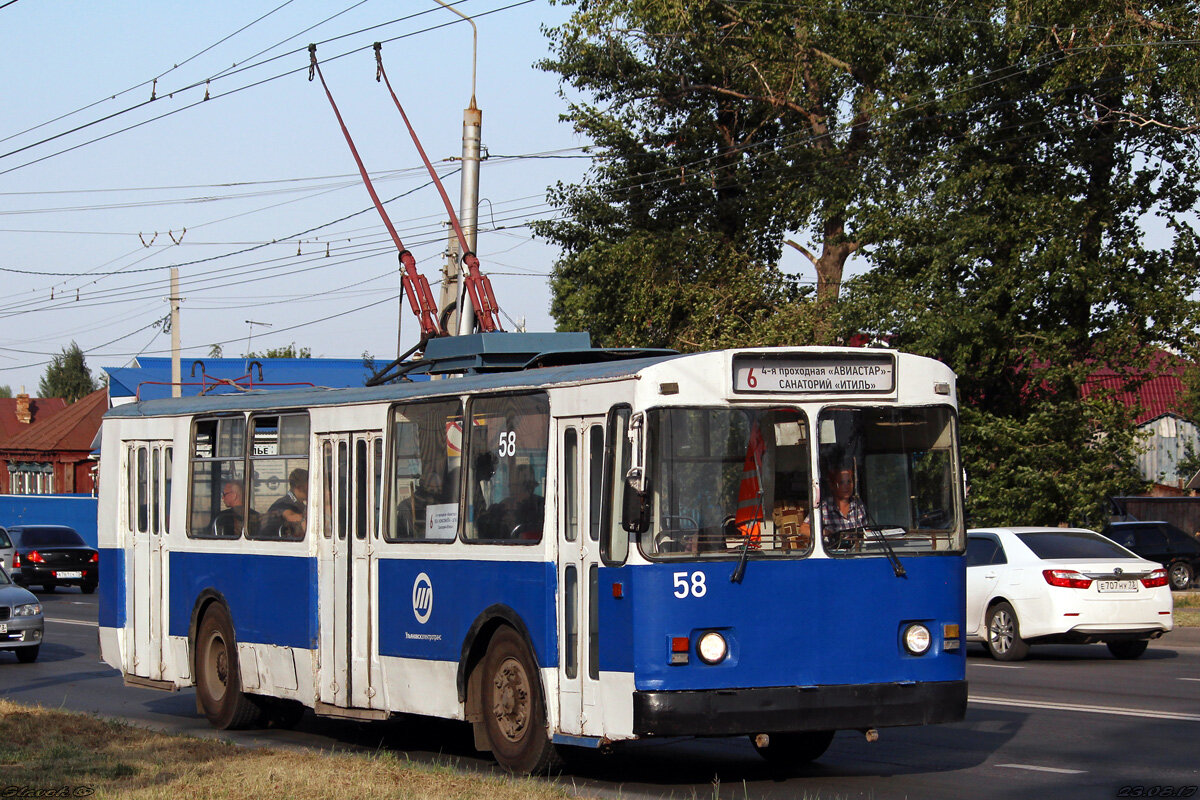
[
  {"x": 1189, "y": 679},
  {"x": 1044, "y": 769},
  {"x": 73, "y": 622},
  {"x": 999, "y": 666},
  {"x": 1122, "y": 712}
]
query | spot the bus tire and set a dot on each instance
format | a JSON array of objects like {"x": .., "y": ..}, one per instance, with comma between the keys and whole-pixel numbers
[
  {"x": 218, "y": 681},
  {"x": 514, "y": 712},
  {"x": 795, "y": 747}
]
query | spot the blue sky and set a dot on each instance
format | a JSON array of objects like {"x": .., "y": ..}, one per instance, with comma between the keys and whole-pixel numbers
[{"x": 88, "y": 229}]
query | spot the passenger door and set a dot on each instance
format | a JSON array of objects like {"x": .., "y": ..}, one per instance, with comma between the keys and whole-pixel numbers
[
  {"x": 351, "y": 466},
  {"x": 581, "y": 457},
  {"x": 146, "y": 516}
]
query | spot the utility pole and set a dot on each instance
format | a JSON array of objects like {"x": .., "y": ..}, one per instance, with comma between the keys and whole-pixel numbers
[
  {"x": 450, "y": 276},
  {"x": 176, "y": 372},
  {"x": 468, "y": 203}
]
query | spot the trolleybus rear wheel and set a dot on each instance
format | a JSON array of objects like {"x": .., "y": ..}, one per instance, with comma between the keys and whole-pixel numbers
[
  {"x": 793, "y": 747},
  {"x": 218, "y": 682},
  {"x": 514, "y": 712}
]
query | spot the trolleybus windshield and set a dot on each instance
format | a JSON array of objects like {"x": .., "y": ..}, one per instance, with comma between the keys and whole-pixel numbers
[{"x": 731, "y": 479}]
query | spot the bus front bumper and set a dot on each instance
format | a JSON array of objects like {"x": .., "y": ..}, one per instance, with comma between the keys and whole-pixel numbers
[{"x": 730, "y": 712}]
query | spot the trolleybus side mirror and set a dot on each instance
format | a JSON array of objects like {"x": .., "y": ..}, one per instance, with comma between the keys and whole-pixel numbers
[{"x": 635, "y": 508}]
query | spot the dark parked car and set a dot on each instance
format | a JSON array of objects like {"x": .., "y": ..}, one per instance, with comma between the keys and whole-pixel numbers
[
  {"x": 53, "y": 555},
  {"x": 1161, "y": 542}
]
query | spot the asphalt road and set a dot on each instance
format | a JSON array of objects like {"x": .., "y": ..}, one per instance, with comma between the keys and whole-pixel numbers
[{"x": 1070, "y": 722}]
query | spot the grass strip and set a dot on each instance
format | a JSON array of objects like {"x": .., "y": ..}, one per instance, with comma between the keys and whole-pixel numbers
[{"x": 69, "y": 754}]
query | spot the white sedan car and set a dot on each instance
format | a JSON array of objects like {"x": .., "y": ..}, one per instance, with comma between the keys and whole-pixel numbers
[{"x": 1061, "y": 585}]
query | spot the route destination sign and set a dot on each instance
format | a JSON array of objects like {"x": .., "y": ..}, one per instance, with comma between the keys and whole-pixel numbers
[{"x": 817, "y": 375}]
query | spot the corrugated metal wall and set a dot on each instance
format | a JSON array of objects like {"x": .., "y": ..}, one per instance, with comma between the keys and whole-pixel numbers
[{"x": 1167, "y": 441}]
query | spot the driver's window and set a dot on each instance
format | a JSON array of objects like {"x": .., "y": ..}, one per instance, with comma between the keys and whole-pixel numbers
[{"x": 506, "y": 480}]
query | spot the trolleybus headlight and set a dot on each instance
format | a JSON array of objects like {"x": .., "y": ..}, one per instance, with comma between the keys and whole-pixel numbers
[
  {"x": 917, "y": 639},
  {"x": 712, "y": 648}
]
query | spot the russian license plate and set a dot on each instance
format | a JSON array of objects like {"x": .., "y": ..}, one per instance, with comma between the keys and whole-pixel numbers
[
  {"x": 70, "y": 573},
  {"x": 1116, "y": 586}
]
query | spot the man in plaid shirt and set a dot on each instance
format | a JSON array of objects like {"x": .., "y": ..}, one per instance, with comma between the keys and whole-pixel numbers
[{"x": 844, "y": 511}]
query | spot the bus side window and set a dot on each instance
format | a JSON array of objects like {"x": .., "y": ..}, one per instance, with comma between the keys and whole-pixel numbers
[
  {"x": 217, "y": 490},
  {"x": 509, "y": 441},
  {"x": 426, "y": 441},
  {"x": 278, "y": 499},
  {"x": 614, "y": 541}
]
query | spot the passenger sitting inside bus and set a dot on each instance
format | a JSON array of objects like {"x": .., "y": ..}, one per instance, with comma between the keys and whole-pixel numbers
[
  {"x": 227, "y": 524},
  {"x": 287, "y": 516},
  {"x": 518, "y": 516}
]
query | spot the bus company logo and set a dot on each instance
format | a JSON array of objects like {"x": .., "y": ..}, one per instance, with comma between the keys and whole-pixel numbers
[{"x": 422, "y": 598}]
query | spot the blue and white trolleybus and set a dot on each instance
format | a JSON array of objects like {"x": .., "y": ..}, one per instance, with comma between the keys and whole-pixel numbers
[{"x": 559, "y": 545}]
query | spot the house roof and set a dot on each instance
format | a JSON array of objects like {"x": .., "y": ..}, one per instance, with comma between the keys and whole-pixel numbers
[
  {"x": 150, "y": 378},
  {"x": 72, "y": 429},
  {"x": 1156, "y": 395},
  {"x": 40, "y": 408}
]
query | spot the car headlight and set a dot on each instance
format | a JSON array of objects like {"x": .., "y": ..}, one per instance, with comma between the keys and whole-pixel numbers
[
  {"x": 27, "y": 610},
  {"x": 917, "y": 639},
  {"x": 712, "y": 648}
]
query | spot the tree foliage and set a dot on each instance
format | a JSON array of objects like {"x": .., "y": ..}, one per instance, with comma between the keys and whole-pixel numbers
[
  {"x": 997, "y": 165},
  {"x": 1016, "y": 249},
  {"x": 720, "y": 128},
  {"x": 290, "y": 351},
  {"x": 67, "y": 376}
]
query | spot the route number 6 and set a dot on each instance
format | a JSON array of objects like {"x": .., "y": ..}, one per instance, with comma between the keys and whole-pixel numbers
[{"x": 683, "y": 586}]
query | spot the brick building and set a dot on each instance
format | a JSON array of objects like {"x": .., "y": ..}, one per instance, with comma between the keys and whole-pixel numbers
[{"x": 46, "y": 445}]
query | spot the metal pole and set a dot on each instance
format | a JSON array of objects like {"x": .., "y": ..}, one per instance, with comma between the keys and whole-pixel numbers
[
  {"x": 176, "y": 371},
  {"x": 468, "y": 204},
  {"x": 451, "y": 275}
]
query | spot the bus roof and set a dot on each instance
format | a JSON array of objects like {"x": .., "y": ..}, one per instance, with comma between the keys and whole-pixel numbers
[{"x": 303, "y": 398}]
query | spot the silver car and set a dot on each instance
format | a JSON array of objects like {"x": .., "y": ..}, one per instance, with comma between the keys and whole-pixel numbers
[
  {"x": 21, "y": 620},
  {"x": 6, "y": 550}
]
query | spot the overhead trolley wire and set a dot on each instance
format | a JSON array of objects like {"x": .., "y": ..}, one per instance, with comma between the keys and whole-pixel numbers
[{"x": 226, "y": 74}]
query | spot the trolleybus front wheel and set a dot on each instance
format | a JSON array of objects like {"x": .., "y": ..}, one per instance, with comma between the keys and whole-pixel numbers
[
  {"x": 514, "y": 713},
  {"x": 800, "y": 747},
  {"x": 218, "y": 682}
]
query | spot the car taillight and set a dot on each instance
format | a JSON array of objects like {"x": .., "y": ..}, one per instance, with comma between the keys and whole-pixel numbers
[
  {"x": 95, "y": 559},
  {"x": 1156, "y": 578},
  {"x": 16, "y": 560},
  {"x": 1068, "y": 578},
  {"x": 35, "y": 557}
]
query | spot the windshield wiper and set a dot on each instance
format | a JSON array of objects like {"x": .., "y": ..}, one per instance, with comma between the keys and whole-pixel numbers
[
  {"x": 740, "y": 570},
  {"x": 897, "y": 567}
]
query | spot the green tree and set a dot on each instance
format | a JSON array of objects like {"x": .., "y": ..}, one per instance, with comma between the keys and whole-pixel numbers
[
  {"x": 67, "y": 376},
  {"x": 994, "y": 163},
  {"x": 720, "y": 128},
  {"x": 290, "y": 351},
  {"x": 6, "y": 391},
  {"x": 1015, "y": 249}
]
